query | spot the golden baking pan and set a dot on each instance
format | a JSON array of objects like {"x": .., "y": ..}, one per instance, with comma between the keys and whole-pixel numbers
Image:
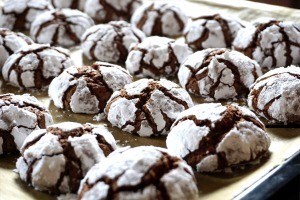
[{"x": 285, "y": 141}]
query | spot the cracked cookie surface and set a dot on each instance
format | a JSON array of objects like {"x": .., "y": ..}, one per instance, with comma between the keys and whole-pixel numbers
[
  {"x": 73, "y": 4},
  {"x": 10, "y": 42},
  {"x": 147, "y": 107},
  {"x": 104, "y": 11},
  {"x": 34, "y": 66},
  {"x": 156, "y": 57},
  {"x": 19, "y": 14},
  {"x": 218, "y": 74},
  {"x": 276, "y": 95},
  {"x": 19, "y": 116},
  {"x": 144, "y": 172},
  {"x": 212, "y": 31},
  {"x": 162, "y": 19},
  {"x": 270, "y": 42},
  {"x": 62, "y": 27},
  {"x": 212, "y": 137},
  {"x": 110, "y": 42},
  {"x": 87, "y": 89},
  {"x": 57, "y": 158}
]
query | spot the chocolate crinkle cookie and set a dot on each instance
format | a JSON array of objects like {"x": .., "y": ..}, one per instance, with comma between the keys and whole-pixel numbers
[
  {"x": 156, "y": 57},
  {"x": 276, "y": 95},
  {"x": 103, "y": 11},
  {"x": 19, "y": 14},
  {"x": 34, "y": 66},
  {"x": 214, "y": 138},
  {"x": 56, "y": 159},
  {"x": 10, "y": 42},
  {"x": 218, "y": 74},
  {"x": 270, "y": 42},
  {"x": 62, "y": 27},
  {"x": 144, "y": 172},
  {"x": 19, "y": 116},
  {"x": 147, "y": 107},
  {"x": 110, "y": 42},
  {"x": 87, "y": 89},
  {"x": 73, "y": 4},
  {"x": 162, "y": 19},
  {"x": 212, "y": 31}
]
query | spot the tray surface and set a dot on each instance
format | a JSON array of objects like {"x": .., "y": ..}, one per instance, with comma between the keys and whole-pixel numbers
[{"x": 285, "y": 141}]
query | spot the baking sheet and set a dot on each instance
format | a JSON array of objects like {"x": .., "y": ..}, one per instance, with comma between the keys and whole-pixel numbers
[{"x": 285, "y": 141}]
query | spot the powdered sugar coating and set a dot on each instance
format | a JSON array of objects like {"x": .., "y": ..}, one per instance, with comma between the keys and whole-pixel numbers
[
  {"x": 73, "y": 4},
  {"x": 109, "y": 10},
  {"x": 156, "y": 57},
  {"x": 212, "y": 137},
  {"x": 270, "y": 42},
  {"x": 147, "y": 107},
  {"x": 19, "y": 116},
  {"x": 218, "y": 74},
  {"x": 110, "y": 42},
  {"x": 57, "y": 158},
  {"x": 275, "y": 95},
  {"x": 34, "y": 66},
  {"x": 19, "y": 14},
  {"x": 10, "y": 42},
  {"x": 162, "y": 19},
  {"x": 87, "y": 89},
  {"x": 63, "y": 27},
  {"x": 212, "y": 31},
  {"x": 147, "y": 172}
]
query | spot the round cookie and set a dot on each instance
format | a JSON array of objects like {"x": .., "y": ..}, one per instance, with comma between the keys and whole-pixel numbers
[
  {"x": 144, "y": 172},
  {"x": 276, "y": 95},
  {"x": 147, "y": 107},
  {"x": 109, "y": 10},
  {"x": 162, "y": 19},
  {"x": 63, "y": 27},
  {"x": 19, "y": 14},
  {"x": 19, "y": 116},
  {"x": 34, "y": 66},
  {"x": 73, "y": 4},
  {"x": 110, "y": 42},
  {"x": 156, "y": 57},
  {"x": 218, "y": 74},
  {"x": 212, "y": 137},
  {"x": 270, "y": 42},
  {"x": 212, "y": 31},
  {"x": 55, "y": 159},
  {"x": 10, "y": 42},
  {"x": 87, "y": 89}
]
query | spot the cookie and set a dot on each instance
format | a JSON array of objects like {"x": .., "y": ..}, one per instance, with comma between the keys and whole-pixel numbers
[
  {"x": 218, "y": 74},
  {"x": 162, "y": 19},
  {"x": 276, "y": 95},
  {"x": 62, "y": 27},
  {"x": 73, "y": 4},
  {"x": 156, "y": 57},
  {"x": 87, "y": 89},
  {"x": 55, "y": 159},
  {"x": 144, "y": 172},
  {"x": 19, "y": 116},
  {"x": 34, "y": 66},
  {"x": 212, "y": 31},
  {"x": 272, "y": 43},
  {"x": 19, "y": 14},
  {"x": 213, "y": 138},
  {"x": 10, "y": 42},
  {"x": 147, "y": 107},
  {"x": 105, "y": 11},
  {"x": 110, "y": 42}
]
